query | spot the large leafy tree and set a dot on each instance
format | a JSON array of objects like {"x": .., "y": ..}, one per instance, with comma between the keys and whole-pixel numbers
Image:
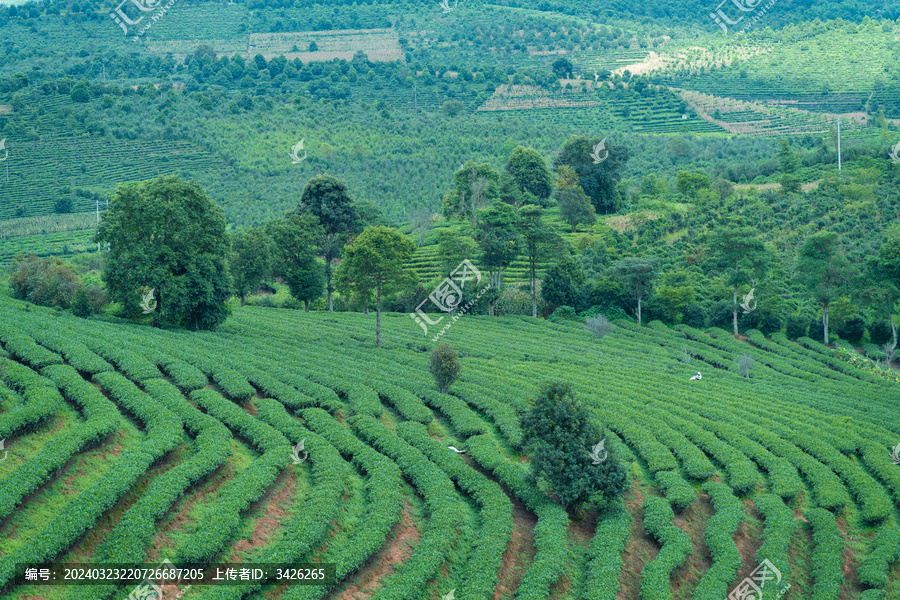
[
  {"x": 454, "y": 248},
  {"x": 296, "y": 238},
  {"x": 166, "y": 234},
  {"x": 329, "y": 200},
  {"x": 741, "y": 253},
  {"x": 825, "y": 271},
  {"x": 375, "y": 260},
  {"x": 575, "y": 207},
  {"x": 598, "y": 180},
  {"x": 251, "y": 260},
  {"x": 560, "y": 437},
  {"x": 498, "y": 237},
  {"x": 637, "y": 275},
  {"x": 529, "y": 171},
  {"x": 539, "y": 242},
  {"x": 563, "y": 282},
  {"x": 475, "y": 185}
]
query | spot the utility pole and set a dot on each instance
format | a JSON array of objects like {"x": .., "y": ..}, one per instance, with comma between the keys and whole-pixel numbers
[{"x": 97, "y": 200}]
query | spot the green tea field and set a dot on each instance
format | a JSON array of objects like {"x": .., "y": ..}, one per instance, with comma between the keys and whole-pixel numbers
[{"x": 126, "y": 443}]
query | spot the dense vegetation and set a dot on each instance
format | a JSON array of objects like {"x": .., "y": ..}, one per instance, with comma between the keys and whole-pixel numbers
[{"x": 659, "y": 323}]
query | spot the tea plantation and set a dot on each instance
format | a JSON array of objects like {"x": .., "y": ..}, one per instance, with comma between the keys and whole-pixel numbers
[{"x": 132, "y": 444}]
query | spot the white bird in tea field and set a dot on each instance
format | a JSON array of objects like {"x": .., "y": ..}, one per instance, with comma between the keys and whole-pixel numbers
[
  {"x": 457, "y": 450},
  {"x": 697, "y": 376}
]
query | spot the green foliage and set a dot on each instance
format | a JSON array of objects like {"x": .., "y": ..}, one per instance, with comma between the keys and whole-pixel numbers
[
  {"x": 558, "y": 436},
  {"x": 679, "y": 492},
  {"x": 251, "y": 260},
  {"x": 779, "y": 528},
  {"x": 295, "y": 238},
  {"x": 444, "y": 366},
  {"x": 374, "y": 261},
  {"x": 529, "y": 171},
  {"x": 47, "y": 282},
  {"x": 597, "y": 180},
  {"x": 676, "y": 546},
  {"x": 719, "y": 534},
  {"x": 605, "y": 554},
  {"x": 166, "y": 234},
  {"x": 827, "y": 557},
  {"x": 550, "y": 531},
  {"x": 575, "y": 207},
  {"x": 637, "y": 275}
]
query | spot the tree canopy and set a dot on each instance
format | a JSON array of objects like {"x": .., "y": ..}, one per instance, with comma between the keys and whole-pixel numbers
[{"x": 165, "y": 234}]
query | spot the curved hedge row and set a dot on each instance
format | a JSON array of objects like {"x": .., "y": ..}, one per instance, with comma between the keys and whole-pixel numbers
[
  {"x": 719, "y": 534},
  {"x": 605, "y": 554},
  {"x": 676, "y": 547},
  {"x": 445, "y": 511},
  {"x": 742, "y": 473},
  {"x": 41, "y": 397},
  {"x": 550, "y": 533},
  {"x": 185, "y": 375},
  {"x": 76, "y": 354},
  {"x": 407, "y": 404},
  {"x": 678, "y": 492},
  {"x": 163, "y": 435},
  {"x": 503, "y": 415},
  {"x": 126, "y": 543},
  {"x": 875, "y": 567},
  {"x": 784, "y": 480},
  {"x": 222, "y": 518},
  {"x": 26, "y": 349},
  {"x": 309, "y": 527},
  {"x": 131, "y": 363},
  {"x": 827, "y": 556},
  {"x": 464, "y": 420},
  {"x": 101, "y": 419},
  {"x": 877, "y": 458},
  {"x": 694, "y": 462},
  {"x": 658, "y": 456},
  {"x": 480, "y": 578},
  {"x": 383, "y": 489},
  {"x": 780, "y": 526}
]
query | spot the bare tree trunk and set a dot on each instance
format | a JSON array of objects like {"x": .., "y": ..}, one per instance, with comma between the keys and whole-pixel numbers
[
  {"x": 825, "y": 320},
  {"x": 734, "y": 312},
  {"x": 639, "y": 311},
  {"x": 378, "y": 318},
  {"x": 306, "y": 305},
  {"x": 243, "y": 296},
  {"x": 533, "y": 292},
  {"x": 328, "y": 286},
  {"x": 894, "y": 341}
]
